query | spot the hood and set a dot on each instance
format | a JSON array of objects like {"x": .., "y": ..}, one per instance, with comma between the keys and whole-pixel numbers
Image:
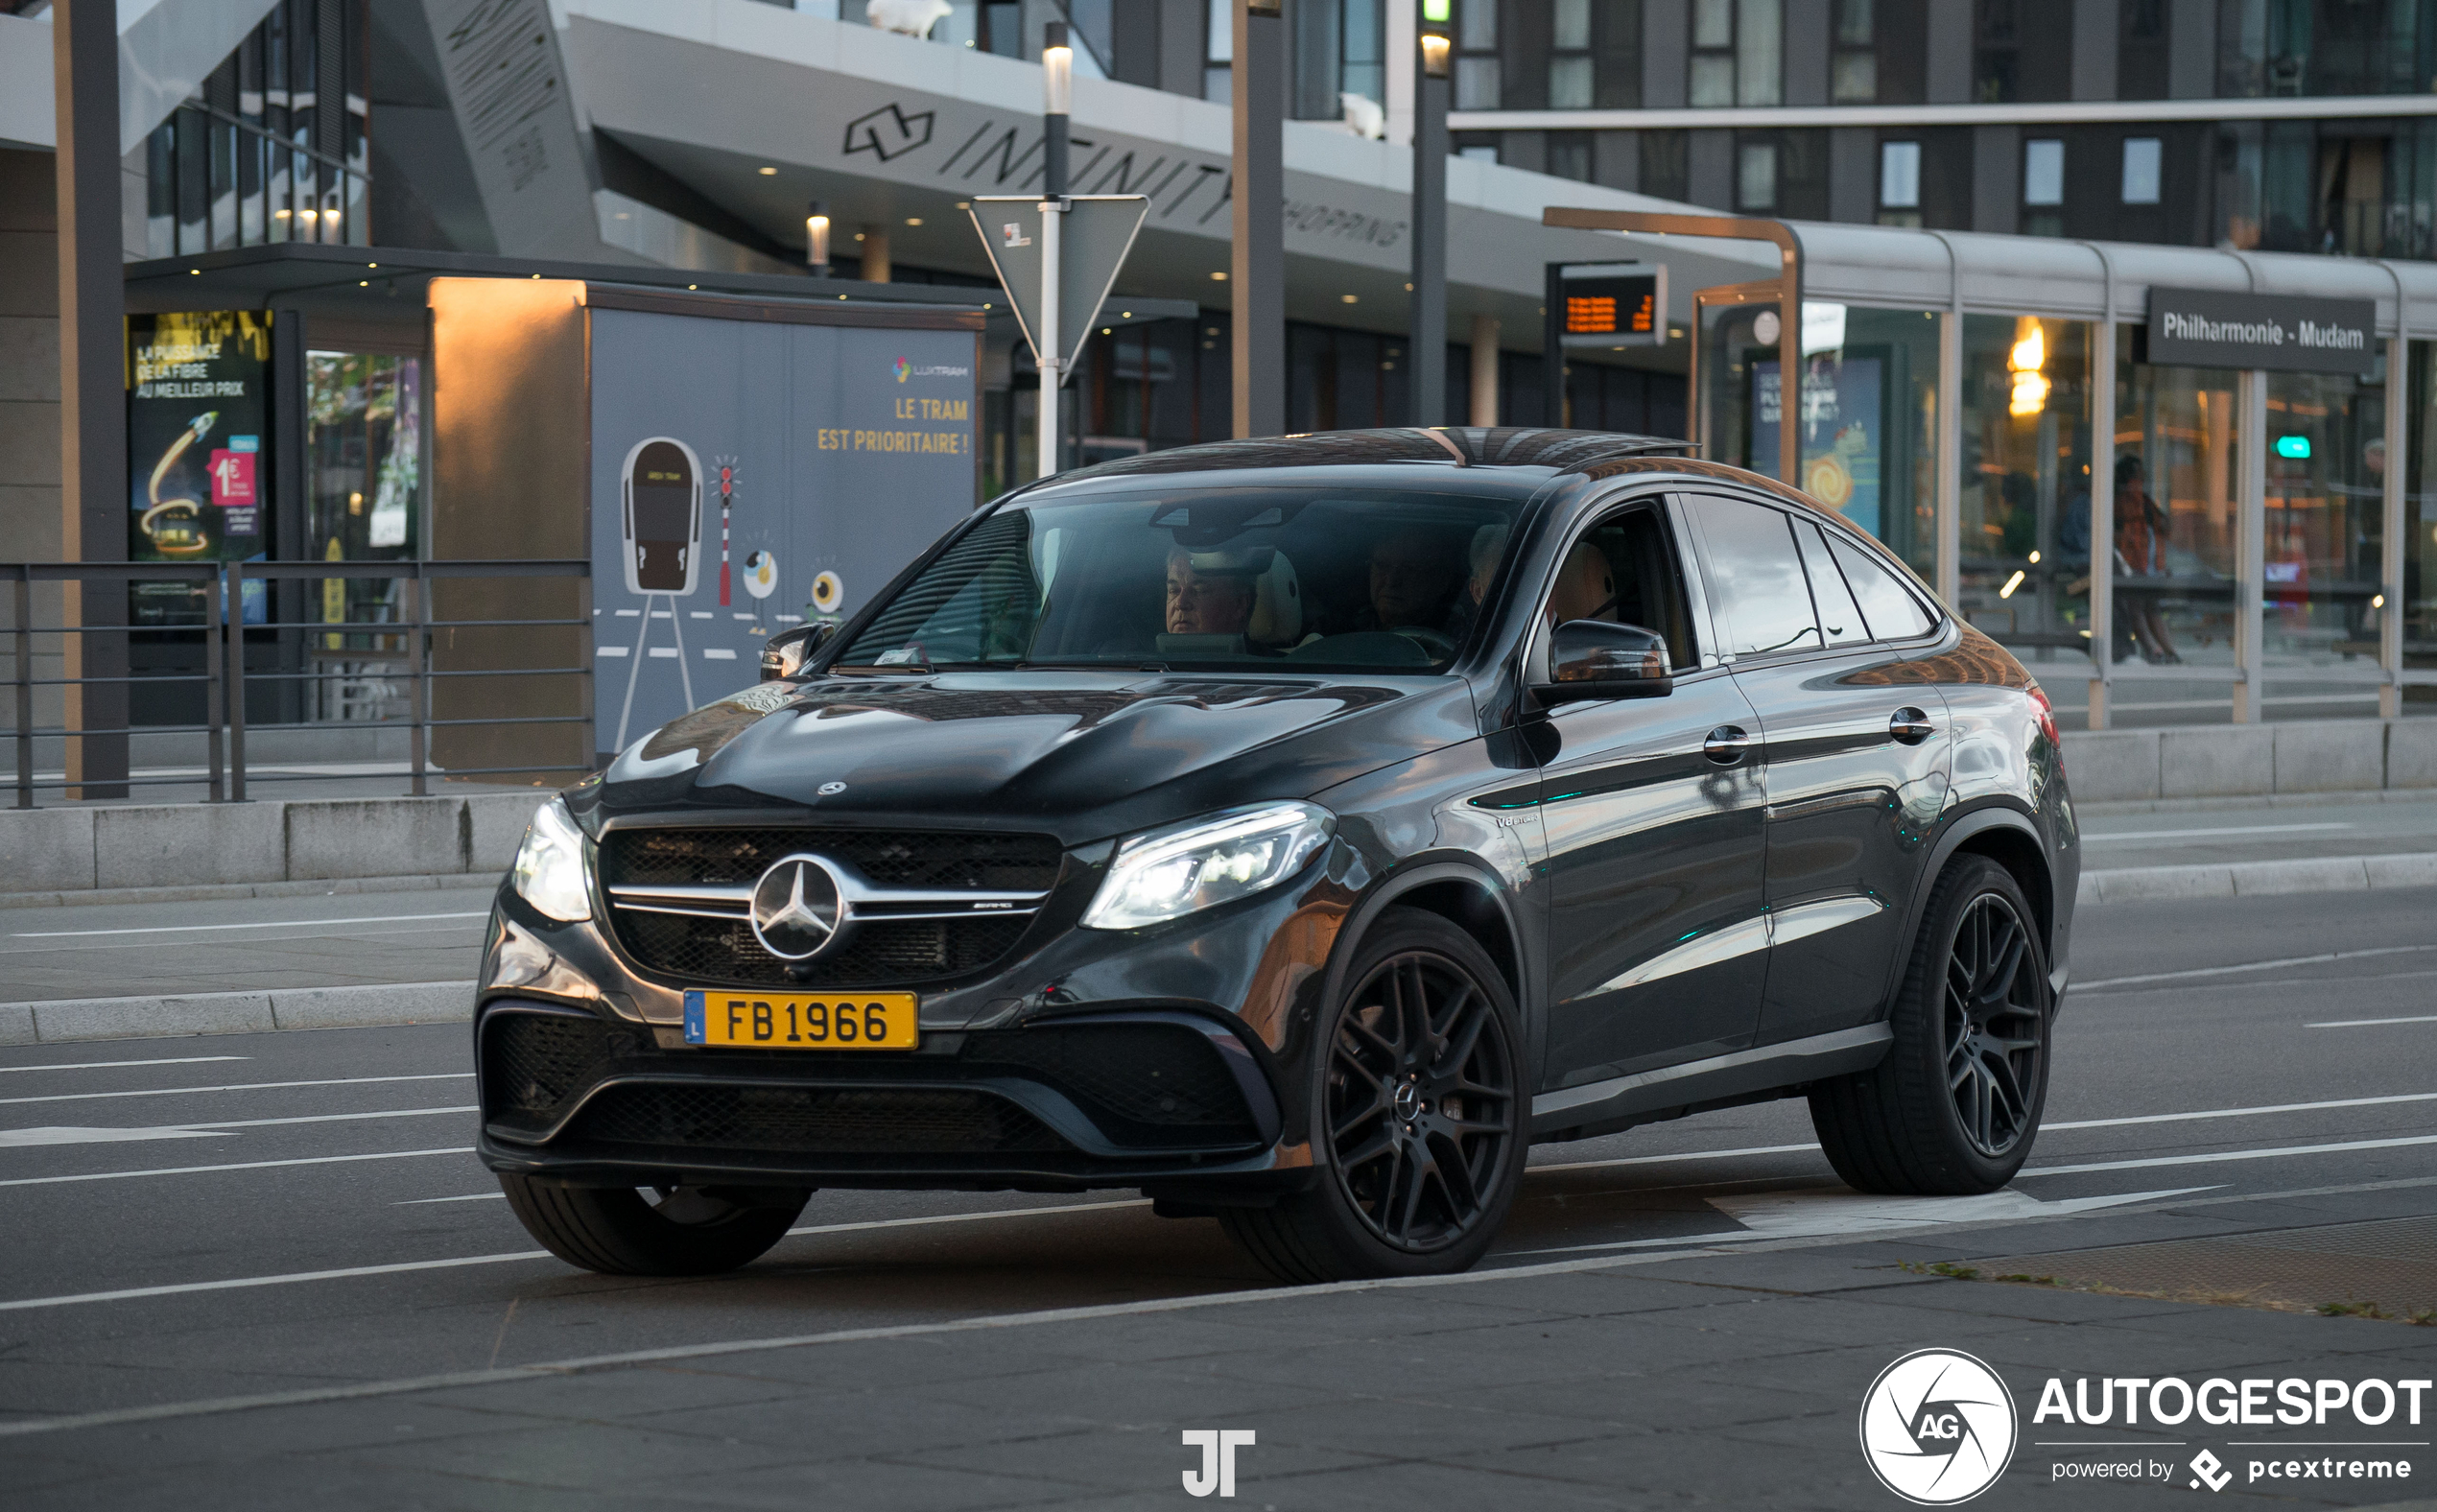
[{"x": 1079, "y": 755}]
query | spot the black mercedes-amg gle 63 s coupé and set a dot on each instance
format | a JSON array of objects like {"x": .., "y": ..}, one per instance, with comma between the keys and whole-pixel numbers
[{"x": 1296, "y": 831}]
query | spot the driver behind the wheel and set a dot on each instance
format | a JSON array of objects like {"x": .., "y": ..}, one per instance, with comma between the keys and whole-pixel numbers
[{"x": 1250, "y": 593}]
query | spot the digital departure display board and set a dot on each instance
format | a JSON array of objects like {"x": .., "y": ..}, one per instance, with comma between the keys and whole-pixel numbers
[{"x": 1609, "y": 305}]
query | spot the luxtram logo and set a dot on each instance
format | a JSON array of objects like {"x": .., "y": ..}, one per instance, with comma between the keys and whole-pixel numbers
[
  {"x": 905, "y": 368},
  {"x": 1937, "y": 1427}
]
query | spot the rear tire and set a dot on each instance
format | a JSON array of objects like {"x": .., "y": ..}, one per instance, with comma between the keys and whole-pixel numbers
[
  {"x": 1417, "y": 1116},
  {"x": 681, "y": 1231},
  {"x": 1954, "y": 1106}
]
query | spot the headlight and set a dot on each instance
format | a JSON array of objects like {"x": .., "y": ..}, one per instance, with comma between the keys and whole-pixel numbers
[
  {"x": 1172, "y": 872},
  {"x": 550, "y": 866}
]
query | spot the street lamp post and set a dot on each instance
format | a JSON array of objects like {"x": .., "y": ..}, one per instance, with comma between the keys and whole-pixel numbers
[
  {"x": 1057, "y": 97},
  {"x": 1428, "y": 354}
]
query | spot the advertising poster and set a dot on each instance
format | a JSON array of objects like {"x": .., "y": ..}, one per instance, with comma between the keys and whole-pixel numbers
[
  {"x": 198, "y": 419},
  {"x": 1842, "y": 437},
  {"x": 747, "y": 476}
]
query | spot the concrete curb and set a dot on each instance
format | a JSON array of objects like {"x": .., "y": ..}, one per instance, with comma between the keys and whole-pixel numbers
[
  {"x": 2259, "y": 878},
  {"x": 237, "y": 1013},
  {"x": 205, "y": 892}
]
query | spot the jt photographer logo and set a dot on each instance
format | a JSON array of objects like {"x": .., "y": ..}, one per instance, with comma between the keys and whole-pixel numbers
[
  {"x": 1218, "y": 1446},
  {"x": 1937, "y": 1427}
]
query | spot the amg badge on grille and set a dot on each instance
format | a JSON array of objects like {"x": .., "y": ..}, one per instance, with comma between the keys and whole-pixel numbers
[{"x": 797, "y": 907}]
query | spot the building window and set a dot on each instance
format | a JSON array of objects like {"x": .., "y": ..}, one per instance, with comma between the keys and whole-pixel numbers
[
  {"x": 2141, "y": 63},
  {"x": 1853, "y": 67},
  {"x": 1477, "y": 153},
  {"x": 1737, "y": 53},
  {"x": 2142, "y": 160},
  {"x": 1755, "y": 176},
  {"x": 1900, "y": 183},
  {"x": 1570, "y": 64},
  {"x": 2044, "y": 187},
  {"x": 1665, "y": 164},
  {"x": 1219, "y": 54},
  {"x": 1336, "y": 53},
  {"x": 1476, "y": 82},
  {"x": 266, "y": 149},
  {"x": 1570, "y": 155}
]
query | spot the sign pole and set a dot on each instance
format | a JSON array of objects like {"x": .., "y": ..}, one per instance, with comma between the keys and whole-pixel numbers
[
  {"x": 1053, "y": 365},
  {"x": 1429, "y": 333}
]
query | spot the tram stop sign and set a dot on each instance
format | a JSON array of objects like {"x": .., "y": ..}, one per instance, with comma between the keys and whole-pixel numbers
[{"x": 1098, "y": 232}]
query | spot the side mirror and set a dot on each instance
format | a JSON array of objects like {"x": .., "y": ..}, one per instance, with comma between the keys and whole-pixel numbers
[
  {"x": 783, "y": 655},
  {"x": 1593, "y": 659}
]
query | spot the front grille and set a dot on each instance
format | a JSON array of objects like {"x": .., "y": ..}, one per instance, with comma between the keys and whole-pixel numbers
[
  {"x": 894, "y": 1120},
  {"x": 1146, "y": 1083},
  {"x": 533, "y": 1062},
  {"x": 875, "y": 953},
  {"x": 887, "y": 859}
]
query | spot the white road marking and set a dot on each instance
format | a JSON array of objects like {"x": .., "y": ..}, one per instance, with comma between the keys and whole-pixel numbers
[
  {"x": 242, "y": 1164},
  {"x": 1821, "y": 1213},
  {"x": 104, "y": 1065},
  {"x": 2257, "y": 965},
  {"x": 476, "y": 1196},
  {"x": 243, "y": 1086},
  {"x": 179, "y": 1289},
  {"x": 457, "y": 930},
  {"x": 2214, "y": 1157},
  {"x": 67, "y": 1134},
  {"x": 270, "y": 924},
  {"x": 2354, "y": 1024},
  {"x": 2177, "y": 834},
  {"x": 2073, "y": 1123}
]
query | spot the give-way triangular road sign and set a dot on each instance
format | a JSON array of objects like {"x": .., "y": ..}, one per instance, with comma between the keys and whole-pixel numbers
[{"x": 1097, "y": 231}]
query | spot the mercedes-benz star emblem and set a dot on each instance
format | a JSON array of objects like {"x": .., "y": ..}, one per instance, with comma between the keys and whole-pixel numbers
[{"x": 797, "y": 907}]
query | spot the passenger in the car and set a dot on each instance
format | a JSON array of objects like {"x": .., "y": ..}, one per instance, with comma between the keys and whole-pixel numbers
[
  {"x": 1488, "y": 546},
  {"x": 1586, "y": 586},
  {"x": 1414, "y": 573}
]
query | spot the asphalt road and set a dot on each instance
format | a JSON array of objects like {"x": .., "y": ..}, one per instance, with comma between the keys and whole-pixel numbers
[{"x": 184, "y": 1220}]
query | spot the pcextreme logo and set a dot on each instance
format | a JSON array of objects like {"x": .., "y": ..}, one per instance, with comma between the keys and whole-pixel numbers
[{"x": 1937, "y": 1427}]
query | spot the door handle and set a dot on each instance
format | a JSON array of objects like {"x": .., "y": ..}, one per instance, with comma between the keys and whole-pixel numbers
[
  {"x": 1910, "y": 726},
  {"x": 1726, "y": 744}
]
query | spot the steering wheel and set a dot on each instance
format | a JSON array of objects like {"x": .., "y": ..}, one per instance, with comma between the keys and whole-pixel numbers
[{"x": 1441, "y": 648}]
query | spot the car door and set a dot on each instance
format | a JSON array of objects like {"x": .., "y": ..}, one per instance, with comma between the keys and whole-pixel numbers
[
  {"x": 1854, "y": 760},
  {"x": 1653, "y": 821}
]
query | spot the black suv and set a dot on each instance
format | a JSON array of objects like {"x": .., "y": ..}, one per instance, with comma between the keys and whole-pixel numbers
[{"x": 1296, "y": 830}]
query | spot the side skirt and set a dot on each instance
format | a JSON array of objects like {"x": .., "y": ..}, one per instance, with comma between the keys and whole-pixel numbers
[{"x": 1644, "y": 1097}]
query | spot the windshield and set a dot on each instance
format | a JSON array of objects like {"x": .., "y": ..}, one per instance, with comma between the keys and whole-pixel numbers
[{"x": 1284, "y": 579}]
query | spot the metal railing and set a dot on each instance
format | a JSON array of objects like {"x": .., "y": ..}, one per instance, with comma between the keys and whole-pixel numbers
[{"x": 224, "y": 676}]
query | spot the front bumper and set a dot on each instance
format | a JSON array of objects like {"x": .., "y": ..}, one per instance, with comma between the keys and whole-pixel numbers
[{"x": 1160, "y": 1058}]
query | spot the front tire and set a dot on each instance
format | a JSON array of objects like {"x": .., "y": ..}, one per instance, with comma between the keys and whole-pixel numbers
[
  {"x": 677, "y": 1231},
  {"x": 1953, "y": 1108},
  {"x": 1417, "y": 1113}
]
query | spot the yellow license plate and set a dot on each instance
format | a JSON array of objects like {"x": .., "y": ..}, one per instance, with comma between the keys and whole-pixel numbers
[{"x": 793, "y": 1021}]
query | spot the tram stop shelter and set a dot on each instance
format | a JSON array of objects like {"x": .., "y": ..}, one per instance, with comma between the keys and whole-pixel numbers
[{"x": 2200, "y": 479}]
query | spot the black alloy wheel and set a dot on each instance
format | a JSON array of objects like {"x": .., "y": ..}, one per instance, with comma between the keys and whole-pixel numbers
[
  {"x": 1996, "y": 1021},
  {"x": 1953, "y": 1106},
  {"x": 1420, "y": 1101},
  {"x": 1417, "y": 1115}
]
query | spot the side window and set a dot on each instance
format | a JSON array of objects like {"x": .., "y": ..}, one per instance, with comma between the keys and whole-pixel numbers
[
  {"x": 1758, "y": 593},
  {"x": 1623, "y": 570},
  {"x": 1839, "y": 618},
  {"x": 1893, "y": 612}
]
